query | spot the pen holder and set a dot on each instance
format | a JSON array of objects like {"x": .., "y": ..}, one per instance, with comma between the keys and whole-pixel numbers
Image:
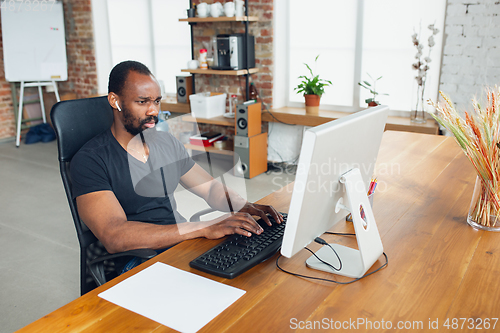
[{"x": 348, "y": 218}]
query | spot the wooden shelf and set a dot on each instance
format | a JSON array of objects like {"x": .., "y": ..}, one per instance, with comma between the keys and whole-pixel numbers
[
  {"x": 221, "y": 72},
  {"x": 175, "y": 107},
  {"x": 219, "y": 19},
  {"x": 220, "y": 120},
  {"x": 298, "y": 116},
  {"x": 212, "y": 149}
]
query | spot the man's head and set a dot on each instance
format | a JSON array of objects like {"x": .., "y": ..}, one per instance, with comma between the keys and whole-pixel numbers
[
  {"x": 119, "y": 73},
  {"x": 135, "y": 95}
]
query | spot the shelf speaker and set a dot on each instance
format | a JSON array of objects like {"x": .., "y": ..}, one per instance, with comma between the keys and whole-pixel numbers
[
  {"x": 248, "y": 119},
  {"x": 252, "y": 152},
  {"x": 184, "y": 88}
]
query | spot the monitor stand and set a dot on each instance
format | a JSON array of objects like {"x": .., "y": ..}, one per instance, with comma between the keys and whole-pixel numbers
[{"x": 355, "y": 263}]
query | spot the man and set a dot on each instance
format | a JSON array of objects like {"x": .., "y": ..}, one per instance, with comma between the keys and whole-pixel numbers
[{"x": 123, "y": 179}]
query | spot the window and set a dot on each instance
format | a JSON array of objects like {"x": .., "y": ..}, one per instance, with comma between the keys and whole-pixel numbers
[
  {"x": 172, "y": 40},
  {"x": 148, "y": 31},
  {"x": 354, "y": 38},
  {"x": 319, "y": 28}
]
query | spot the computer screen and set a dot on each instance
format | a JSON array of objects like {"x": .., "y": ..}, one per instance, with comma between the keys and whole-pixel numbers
[{"x": 328, "y": 152}]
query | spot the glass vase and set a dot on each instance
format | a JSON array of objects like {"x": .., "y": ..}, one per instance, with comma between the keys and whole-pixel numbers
[
  {"x": 418, "y": 114},
  {"x": 483, "y": 210}
]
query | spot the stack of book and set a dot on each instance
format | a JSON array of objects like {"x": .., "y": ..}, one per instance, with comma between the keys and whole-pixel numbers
[{"x": 206, "y": 139}]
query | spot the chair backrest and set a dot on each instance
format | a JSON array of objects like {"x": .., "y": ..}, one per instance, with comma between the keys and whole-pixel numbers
[{"x": 76, "y": 122}]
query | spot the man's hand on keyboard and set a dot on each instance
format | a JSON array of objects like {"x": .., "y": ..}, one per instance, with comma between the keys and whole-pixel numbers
[
  {"x": 228, "y": 224},
  {"x": 262, "y": 211}
]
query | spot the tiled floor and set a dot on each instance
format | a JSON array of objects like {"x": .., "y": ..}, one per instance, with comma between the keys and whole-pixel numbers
[{"x": 39, "y": 262}]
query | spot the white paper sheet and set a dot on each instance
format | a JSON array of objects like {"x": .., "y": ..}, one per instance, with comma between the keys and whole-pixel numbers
[{"x": 172, "y": 297}]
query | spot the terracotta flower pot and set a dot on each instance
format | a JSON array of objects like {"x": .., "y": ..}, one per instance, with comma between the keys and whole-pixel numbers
[
  {"x": 372, "y": 103},
  {"x": 312, "y": 104}
]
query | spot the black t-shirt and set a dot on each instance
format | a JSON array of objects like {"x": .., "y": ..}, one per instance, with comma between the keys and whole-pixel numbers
[{"x": 144, "y": 190}]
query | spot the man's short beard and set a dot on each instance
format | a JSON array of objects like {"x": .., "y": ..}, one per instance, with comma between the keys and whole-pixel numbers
[{"x": 129, "y": 120}]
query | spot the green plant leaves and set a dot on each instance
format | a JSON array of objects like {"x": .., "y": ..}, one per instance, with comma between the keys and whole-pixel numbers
[
  {"x": 313, "y": 85},
  {"x": 368, "y": 86},
  {"x": 309, "y": 68}
]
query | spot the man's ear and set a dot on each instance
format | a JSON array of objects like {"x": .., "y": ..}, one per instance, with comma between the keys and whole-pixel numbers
[{"x": 113, "y": 100}]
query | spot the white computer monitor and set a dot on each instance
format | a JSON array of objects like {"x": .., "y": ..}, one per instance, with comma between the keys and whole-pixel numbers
[{"x": 343, "y": 150}]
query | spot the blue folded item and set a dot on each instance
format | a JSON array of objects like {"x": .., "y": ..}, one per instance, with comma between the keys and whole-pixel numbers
[{"x": 42, "y": 132}]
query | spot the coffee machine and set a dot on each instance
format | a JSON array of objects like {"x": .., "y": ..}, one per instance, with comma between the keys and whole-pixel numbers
[{"x": 229, "y": 51}]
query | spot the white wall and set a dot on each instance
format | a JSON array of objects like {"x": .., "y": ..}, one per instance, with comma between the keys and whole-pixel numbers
[
  {"x": 471, "y": 55},
  {"x": 280, "y": 38}
]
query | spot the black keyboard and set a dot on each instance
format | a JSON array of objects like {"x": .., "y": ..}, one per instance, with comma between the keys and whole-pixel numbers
[{"x": 239, "y": 253}]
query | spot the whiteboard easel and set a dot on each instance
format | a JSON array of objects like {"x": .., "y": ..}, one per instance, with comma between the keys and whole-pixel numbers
[
  {"x": 21, "y": 100},
  {"x": 34, "y": 43},
  {"x": 34, "y": 48}
]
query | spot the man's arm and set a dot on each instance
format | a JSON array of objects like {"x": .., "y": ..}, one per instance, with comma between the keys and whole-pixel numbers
[
  {"x": 104, "y": 216},
  {"x": 198, "y": 181}
]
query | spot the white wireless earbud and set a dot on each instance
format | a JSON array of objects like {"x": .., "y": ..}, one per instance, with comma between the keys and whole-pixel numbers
[{"x": 116, "y": 103}]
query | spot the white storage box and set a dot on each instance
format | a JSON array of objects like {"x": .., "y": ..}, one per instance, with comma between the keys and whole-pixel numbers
[{"x": 206, "y": 105}]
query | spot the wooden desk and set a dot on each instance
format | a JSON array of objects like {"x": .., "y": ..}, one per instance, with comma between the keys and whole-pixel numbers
[{"x": 439, "y": 267}]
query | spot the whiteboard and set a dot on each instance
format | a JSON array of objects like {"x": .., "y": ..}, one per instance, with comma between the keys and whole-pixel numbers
[{"x": 34, "y": 44}]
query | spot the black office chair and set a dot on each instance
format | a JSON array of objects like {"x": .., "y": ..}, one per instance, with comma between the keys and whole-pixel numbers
[
  {"x": 76, "y": 122},
  {"x": 197, "y": 216}
]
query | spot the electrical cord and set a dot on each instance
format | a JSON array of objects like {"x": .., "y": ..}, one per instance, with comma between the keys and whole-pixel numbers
[
  {"x": 295, "y": 160},
  {"x": 339, "y": 233},
  {"x": 269, "y": 133},
  {"x": 277, "y": 153},
  {"x": 287, "y": 166},
  {"x": 272, "y": 115},
  {"x": 267, "y": 109},
  {"x": 323, "y": 242}
]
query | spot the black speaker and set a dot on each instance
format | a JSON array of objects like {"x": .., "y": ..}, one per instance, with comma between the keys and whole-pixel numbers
[{"x": 184, "y": 88}]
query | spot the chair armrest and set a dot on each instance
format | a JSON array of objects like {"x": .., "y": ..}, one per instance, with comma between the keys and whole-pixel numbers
[
  {"x": 141, "y": 253},
  {"x": 196, "y": 217},
  {"x": 96, "y": 266}
]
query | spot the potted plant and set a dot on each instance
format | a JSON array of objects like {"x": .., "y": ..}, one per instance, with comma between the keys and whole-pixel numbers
[
  {"x": 478, "y": 135},
  {"x": 372, "y": 88},
  {"x": 312, "y": 88}
]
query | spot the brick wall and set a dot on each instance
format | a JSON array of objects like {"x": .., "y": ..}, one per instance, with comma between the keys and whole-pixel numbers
[
  {"x": 471, "y": 57},
  {"x": 82, "y": 72}
]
